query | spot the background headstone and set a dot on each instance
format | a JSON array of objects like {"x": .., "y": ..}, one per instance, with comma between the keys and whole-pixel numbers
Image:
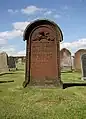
[
  {"x": 3, "y": 62},
  {"x": 19, "y": 60},
  {"x": 72, "y": 58},
  {"x": 83, "y": 66},
  {"x": 65, "y": 60},
  {"x": 11, "y": 62},
  {"x": 77, "y": 59}
]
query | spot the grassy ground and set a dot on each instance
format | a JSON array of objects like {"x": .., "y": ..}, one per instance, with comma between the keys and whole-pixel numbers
[{"x": 41, "y": 103}]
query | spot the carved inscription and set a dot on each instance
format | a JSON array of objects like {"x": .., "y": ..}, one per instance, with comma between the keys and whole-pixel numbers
[{"x": 43, "y": 53}]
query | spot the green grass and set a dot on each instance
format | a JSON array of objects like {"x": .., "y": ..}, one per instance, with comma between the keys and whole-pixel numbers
[
  {"x": 71, "y": 77},
  {"x": 17, "y": 102}
]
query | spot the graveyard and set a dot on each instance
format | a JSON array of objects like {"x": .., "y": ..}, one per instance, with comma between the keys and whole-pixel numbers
[
  {"x": 32, "y": 102},
  {"x": 46, "y": 84}
]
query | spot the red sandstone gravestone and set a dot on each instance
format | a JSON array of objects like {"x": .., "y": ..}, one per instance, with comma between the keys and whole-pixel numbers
[{"x": 42, "y": 53}]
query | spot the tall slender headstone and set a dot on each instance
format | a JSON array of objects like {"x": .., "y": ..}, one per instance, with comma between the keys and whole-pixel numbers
[
  {"x": 72, "y": 58},
  {"x": 83, "y": 66},
  {"x": 3, "y": 62}
]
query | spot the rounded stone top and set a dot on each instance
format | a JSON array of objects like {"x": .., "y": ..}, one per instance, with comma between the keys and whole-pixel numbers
[
  {"x": 65, "y": 50},
  {"x": 3, "y": 52},
  {"x": 39, "y": 22},
  {"x": 80, "y": 50}
]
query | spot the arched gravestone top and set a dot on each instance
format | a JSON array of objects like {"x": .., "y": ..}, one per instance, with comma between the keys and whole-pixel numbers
[
  {"x": 39, "y": 22},
  {"x": 42, "y": 52},
  {"x": 65, "y": 50},
  {"x": 77, "y": 61},
  {"x": 81, "y": 51}
]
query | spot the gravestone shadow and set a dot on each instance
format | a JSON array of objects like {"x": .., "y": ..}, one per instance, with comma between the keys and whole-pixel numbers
[
  {"x": 6, "y": 81},
  {"x": 72, "y": 84},
  {"x": 66, "y": 85},
  {"x": 66, "y": 71},
  {"x": 5, "y": 73}
]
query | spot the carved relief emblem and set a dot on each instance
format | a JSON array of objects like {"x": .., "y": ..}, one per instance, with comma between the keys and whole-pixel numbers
[{"x": 43, "y": 35}]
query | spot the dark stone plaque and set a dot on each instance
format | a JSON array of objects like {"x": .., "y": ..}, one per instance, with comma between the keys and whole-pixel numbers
[{"x": 83, "y": 64}]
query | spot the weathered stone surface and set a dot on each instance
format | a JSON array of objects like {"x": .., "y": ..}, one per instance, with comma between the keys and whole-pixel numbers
[
  {"x": 65, "y": 60},
  {"x": 3, "y": 62},
  {"x": 72, "y": 58},
  {"x": 43, "y": 56},
  {"x": 77, "y": 59},
  {"x": 43, "y": 53}
]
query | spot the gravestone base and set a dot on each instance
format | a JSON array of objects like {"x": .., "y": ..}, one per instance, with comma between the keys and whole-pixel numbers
[
  {"x": 46, "y": 82},
  {"x": 66, "y": 69}
]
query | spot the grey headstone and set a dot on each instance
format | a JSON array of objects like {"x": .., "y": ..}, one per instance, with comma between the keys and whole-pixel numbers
[
  {"x": 72, "y": 62},
  {"x": 11, "y": 62},
  {"x": 66, "y": 62},
  {"x": 3, "y": 62},
  {"x": 83, "y": 66}
]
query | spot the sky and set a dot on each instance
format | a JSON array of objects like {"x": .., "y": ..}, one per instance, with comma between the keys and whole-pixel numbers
[{"x": 15, "y": 15}]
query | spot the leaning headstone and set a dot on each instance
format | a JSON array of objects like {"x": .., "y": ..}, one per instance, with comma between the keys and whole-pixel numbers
[
  {"x": 11, "y": 62},
  {"x": 43, "y": 53},
  {"x": 3, "y": 62},
  {"x": 83, "y": 66}
]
